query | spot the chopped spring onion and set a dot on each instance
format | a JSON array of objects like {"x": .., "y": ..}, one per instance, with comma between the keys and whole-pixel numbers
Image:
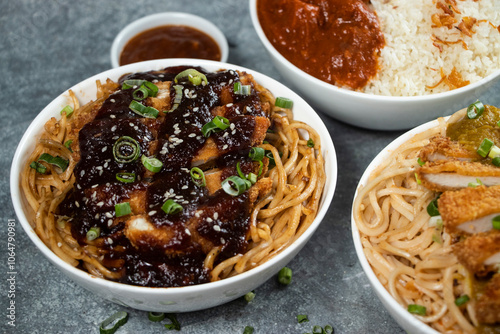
[
  {"x": 142, "y": 110},
  {"x": 261, "y": 168},
  {"x": 93, "y": 233},
  {"x": 125, "y": 177},
  {"x": 302, "y": 318},
  {"x": 242, "y": 89},
  {"x": 151, "y": 163},
  {"x": 68, "y": 110},
  {"x": 40, "y": 168},
  {"x": 285, "y": 276},
  {"x": 248, "y": 330},
  {"x": 140, "y": 93},
  {"x": 217, "y": 124},
  {"x": 436, "y": 221},
  {"x": 175, "y": 324},
  {"x": 126, "y": 149},
  {"x": 310, "y": 143},
  {"x": 485, "y": 147},
  {"x": 194, "y": 77},
  {"x": 111, "y": 324},
  {"x": 171, "y": 207},
  {"x": 317, "y": 330},
  {"x": 496, "y": 161},
  {"x": 156, "y": 316},
  {"x": 151, "y": 88},
  {"x": 67, "y": 144},
  {"x": 462, "y": 300},
  {"x": 234, "y": 185},
  {"x": 240, "y": 173},
  {"x": 198, "y": 177},
  {"x": 256, "y": 153},
  {"x": 494, "y": 152},
  {"x": 132, "y": 83},
  {"x": 249, "y": 296},
  {"x": 283, "y": 102},
  {"x": 475, "y": 184},
  {"x": 498, "y": 123},
  {"x": 432, "y": 208},
  {"x": 56, "y": 161},
  {"x": 420, "y": 162},
  {"x": 328, "y": 329},
  {"x": 417, "y": 309},
  {"x": 475, "y": 110},
  {"x": 177, "y": 98},
  {"x": 436, "y": 237},
  {"x": 252, "y": 178},
  {"x": 496, "y": 222},
  {"x": 417, "y": 179},
  {"x": 270, "y": 156},
  {"x": 122, "y": 209}
]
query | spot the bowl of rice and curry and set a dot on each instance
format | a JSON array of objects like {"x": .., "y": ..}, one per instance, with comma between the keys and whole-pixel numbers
[{"x": 384, "y": 65}]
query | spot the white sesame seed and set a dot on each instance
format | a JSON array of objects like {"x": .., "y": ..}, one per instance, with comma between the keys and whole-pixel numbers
[
  {"x": 82, "y": 173},
  {"x": 191, "y": 135},
  {"x": 104, "y": 149},
  {"x": 105, "y": 165},
  {"x": 230, "y": 81},
  {"x": 99, "y": 168},
  {"x": 96, "y": 216},
  {"x": 232, "y": 126},
  {"x": 115, "y": 137},
  {"x": 233, "y": 132},
  {"x": 136, "y": 128},
  {"x": 101, "y": 203},
  {"x": 186, "y": 114},
  {"x": 110, "y": 241},
  {"x": 131, "y": 124},
  {"x": 112, "y": 100},
  {"x": 109, "y": 215},
  {"x": 225, "y": 147},
  {"x": 77, "y": 204},
  {"x": 225, "y": 134},
  {"x": 161, "y": 75},
  {"x": 216, "y": 228},
  {"x": 188, "y": 232},
  {"x": 229, "y": 105},
  {"x": 152, "y": 212},
  {"x": 185, "y": 202},
  {"x": 216, "y": 215},
  {"x": 184, "y": 187},
  {"x": 112, "y": 116},
  {"x": 95, "y": 186},
  {"x": 222, "y": 241},
  {"x": 196, "y": 109},
  {"x": 110, "y": 222},
  {"x": 209, "y": 220},
  {"x": 100, "y": 172},
  {"x": 78, "y": 186},
  {"x": 59, "y": 244}
]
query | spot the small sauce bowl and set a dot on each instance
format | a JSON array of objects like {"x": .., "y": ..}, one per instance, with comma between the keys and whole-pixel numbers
[{"x": 167, "y": 19}]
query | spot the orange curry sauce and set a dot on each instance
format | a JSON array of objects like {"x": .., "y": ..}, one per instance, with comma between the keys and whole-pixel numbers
[{"x": 337, "y": 41}]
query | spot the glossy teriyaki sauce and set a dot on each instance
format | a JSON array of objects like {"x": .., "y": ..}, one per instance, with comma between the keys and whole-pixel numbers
[{"x": 174, "y": 138}]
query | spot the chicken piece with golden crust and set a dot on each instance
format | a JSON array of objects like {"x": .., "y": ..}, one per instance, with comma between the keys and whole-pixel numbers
[
  {"x": 479, "y": 253},
  {"x": 470, "y": 210},
  {"x": 443, "y": 148}
]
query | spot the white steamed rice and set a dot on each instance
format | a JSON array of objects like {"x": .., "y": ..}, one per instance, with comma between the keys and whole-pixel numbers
[{"x": 410, "y": 62}]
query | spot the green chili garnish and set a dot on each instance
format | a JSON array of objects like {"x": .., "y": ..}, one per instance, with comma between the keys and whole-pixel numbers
[
  {"x": 475, "y": 110},
  {"x": 417, "y": 309},
  {"x": 93, "y": 233},
  {"x": 156, "y": 316},
  {"x": 171, "y": 207},
  {"x": 193, "y": 76},
  {"x": 283, "y": 102},
  {"x": 110, "y": 325},
  {"x": 285, "y": 276},
  {"x": 56, "y": 161},
  {"x": 151, "y": 163},
  {"x": 122, "y": 209},
  {"x": 126, "y": 149},
  {"x": 125, "y": 177},
  {"x": 175, "y": 324},
  {"x": 462, "y": 300}
]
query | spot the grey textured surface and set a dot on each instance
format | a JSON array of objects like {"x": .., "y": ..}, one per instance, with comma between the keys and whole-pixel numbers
[{"x": 48, "y": 46}]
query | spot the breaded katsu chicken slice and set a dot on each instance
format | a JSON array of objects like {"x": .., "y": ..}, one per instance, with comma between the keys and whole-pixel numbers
[
  {"x": 162, "y": 100},
  {"x": 452, "y": 175},
  {"x": 488, "y": 304},
  {"x": 479, "y": 253},
  {"x": 205, "y": 228},
  {"x": 443, "y": 148},
  {"x": 470, "y": 210},
  {"x": 244, "y": 131}
]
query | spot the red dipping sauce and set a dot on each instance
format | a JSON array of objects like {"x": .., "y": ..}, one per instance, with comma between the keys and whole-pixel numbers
[
  {"x": 170, "y": 41},
  {"x": 337, "y": 41}
]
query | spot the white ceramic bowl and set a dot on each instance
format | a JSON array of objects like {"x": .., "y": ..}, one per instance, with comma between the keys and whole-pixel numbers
[
  {"x": 407, "y": 321},
  {"x": 167, "y": 18},
  {"x": 179, "y": 299},
  {"x": 368, "y": 110}
]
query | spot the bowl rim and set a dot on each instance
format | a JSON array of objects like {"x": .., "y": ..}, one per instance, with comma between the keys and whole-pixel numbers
[
  {"x": 380, "y": 290},
  {"x": 355, "y": 94},
  {"x": 33, "y": 130},
  {"x": 142, "y": 24}
]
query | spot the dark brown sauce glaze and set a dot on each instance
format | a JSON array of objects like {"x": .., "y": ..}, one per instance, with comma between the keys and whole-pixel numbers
[
  {"x": 178, "y": 262},
  {"x": 171, "y": 41}
]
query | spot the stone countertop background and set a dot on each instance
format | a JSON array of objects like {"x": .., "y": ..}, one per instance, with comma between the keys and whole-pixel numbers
[{"x": 48, "y": 46}]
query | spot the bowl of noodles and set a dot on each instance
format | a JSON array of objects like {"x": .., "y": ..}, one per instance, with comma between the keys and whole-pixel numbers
[
  {"x": 162, "y": 225},
  {"x": 415, "y": 225},
  {"x": 421, "y": 68}
]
